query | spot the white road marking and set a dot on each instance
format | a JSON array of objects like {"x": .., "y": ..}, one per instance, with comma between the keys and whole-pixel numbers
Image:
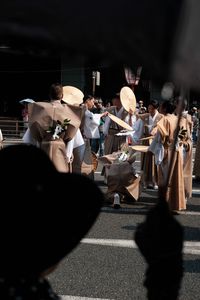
[
  {"x": 190, "y": 247},
  {"x": 80, "y": 298}
]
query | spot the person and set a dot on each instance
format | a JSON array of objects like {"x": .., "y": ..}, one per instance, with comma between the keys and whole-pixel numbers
[
  {"x": 24, "y": 112},
  {"x": 97, "y": 144},
  {"x": 169, "y": 161},
  {"x": 148, "y": 166},
  {"x": 90, "y": 130},
  {"x": 38, "y": 225},
  {"x": 113, "y": 142},
  {"x": 53, "y": 125},
  {"x": 186, "y": 125}
]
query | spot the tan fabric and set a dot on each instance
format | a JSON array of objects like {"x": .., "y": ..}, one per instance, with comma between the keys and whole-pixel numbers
[
  {"x": 148, "y": 166},
  {"x": 175, "y": 187},
  {"x": 43, "y": 115},
  {"x": 113, "y": 142},
  {"x": 186, "y": 123},
  {"x": 56, "y": 152},
  {"x": 121, "y": 179},
  {"x": 87, "y": 167}
]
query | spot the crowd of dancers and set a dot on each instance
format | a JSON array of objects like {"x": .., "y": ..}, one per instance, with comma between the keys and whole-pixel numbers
[{"x": 74, "y": 129}]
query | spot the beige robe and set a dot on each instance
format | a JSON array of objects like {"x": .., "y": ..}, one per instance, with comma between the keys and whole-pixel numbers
[
  {"x": 43, "y": 115},
  {"x": 113, "y": 142},
  {"x": 148, "y": 166},
  {"x": 186, "y": 123},
  {"x": 120, "y": 176},
  {"x": 172, "y": 169}
]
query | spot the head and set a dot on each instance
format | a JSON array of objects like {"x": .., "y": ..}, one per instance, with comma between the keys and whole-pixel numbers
[
  {"x": 152, "y": 107},
  {"x": 167, "y": 107},
  {"x": 141, "y": 103},
  {"x": 89, "y": 101},
  {"x": 37, "y": 230},
  {"x": 56, "y": 91},
  {"x": 116, "y": 101}
]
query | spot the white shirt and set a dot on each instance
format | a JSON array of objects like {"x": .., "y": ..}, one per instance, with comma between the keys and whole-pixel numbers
[{"x": 91, "y": 125}]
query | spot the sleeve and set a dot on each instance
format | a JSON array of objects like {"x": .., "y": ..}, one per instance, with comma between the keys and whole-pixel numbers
[
  {"x": 28, "y": 138},
  {"x": 138, "y": 131},
  {"x": 157, "y": 149},
  {"x": 106, "y": 126}
]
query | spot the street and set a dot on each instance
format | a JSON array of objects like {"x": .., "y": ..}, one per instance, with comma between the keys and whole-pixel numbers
[{"x": 108, "y": 265}]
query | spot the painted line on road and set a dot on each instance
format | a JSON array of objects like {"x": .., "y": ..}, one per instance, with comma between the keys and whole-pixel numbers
[
  {"x": 190, "y": 247},
  {"x": 80, "y": 298}
]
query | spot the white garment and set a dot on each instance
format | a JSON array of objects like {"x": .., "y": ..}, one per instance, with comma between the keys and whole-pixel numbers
[
  {"x": 28, "y": 138},
  {"x": 157, "y": 149},
  {"x": 1, "y": 136},
  {"x": 91, "y": 125},
  {"x": 133, "y": 119},
  {"x": 151, "y": 122},
  {"x": 138, "y": 131},
  {"x": 75, "y": 142}
]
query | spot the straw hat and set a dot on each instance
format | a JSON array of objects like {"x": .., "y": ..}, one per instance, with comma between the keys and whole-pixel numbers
[
  {"x": 72, "y": 95},
  {"x": 140, "y": 148},
  {"x": 120, "y": 122},
  {"x": 39, "y": 225},
  {"x": 128, "y": 99}
]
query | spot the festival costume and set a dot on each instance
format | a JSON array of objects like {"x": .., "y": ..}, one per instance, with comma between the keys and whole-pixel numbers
[
  {"x": 42, "y": 117},
  {"x": 113, "y": 142},
  {"x": 175, "y": 189},
  {"x": 148, "y": 166}
]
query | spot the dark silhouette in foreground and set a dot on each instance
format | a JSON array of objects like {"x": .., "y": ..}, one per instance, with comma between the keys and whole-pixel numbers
[
  {"x": 160, "y": 240},
  {"x": 44, "y": 215}
]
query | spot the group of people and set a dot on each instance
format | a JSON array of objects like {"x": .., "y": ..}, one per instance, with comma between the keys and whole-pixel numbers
[
  {"x": 165, "y": 163},
  {"x": 64, "y": 130}
]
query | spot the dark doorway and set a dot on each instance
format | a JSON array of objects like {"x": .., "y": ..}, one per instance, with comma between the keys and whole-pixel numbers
[{"x": 25, "y": 76}]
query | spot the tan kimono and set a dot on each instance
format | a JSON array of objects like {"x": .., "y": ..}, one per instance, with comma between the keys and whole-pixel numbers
[
  {"x": 148, "y": 166},
  {"x": 186, "y": 123},
  {"x": 113, "y": 142},
  {"x": 42, "y": 116},
  {"x": 175, "y": 187}
]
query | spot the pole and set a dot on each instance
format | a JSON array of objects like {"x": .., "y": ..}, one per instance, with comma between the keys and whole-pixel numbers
[{"x": 93, "y": 82}]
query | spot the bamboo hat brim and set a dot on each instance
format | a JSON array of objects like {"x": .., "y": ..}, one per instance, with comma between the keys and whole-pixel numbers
[
  {"x": 140, "y": 148},
  {"x": 120, "y": 122},
  {"x": 72, "y": 95},
  {"x": 128, "y": 99}
]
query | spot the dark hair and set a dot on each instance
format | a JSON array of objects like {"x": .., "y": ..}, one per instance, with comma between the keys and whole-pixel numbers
[
  {"x": 154, "y": 103},
  {"x": 56, "y": 91},
  {"x": 87, "y": 97},
  {"x": 168, "y": 106}
]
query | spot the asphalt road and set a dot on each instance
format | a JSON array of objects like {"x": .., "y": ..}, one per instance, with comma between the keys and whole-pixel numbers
[{"x": 108, "y": 265}]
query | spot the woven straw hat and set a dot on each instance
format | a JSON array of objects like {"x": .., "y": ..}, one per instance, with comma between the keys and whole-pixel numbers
[
  {"x": 72, "y": 95},
  {"x": 128, "y": 99},
  {"x": 140, "y": 148},
  {"x": 120, "y": 122}
]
